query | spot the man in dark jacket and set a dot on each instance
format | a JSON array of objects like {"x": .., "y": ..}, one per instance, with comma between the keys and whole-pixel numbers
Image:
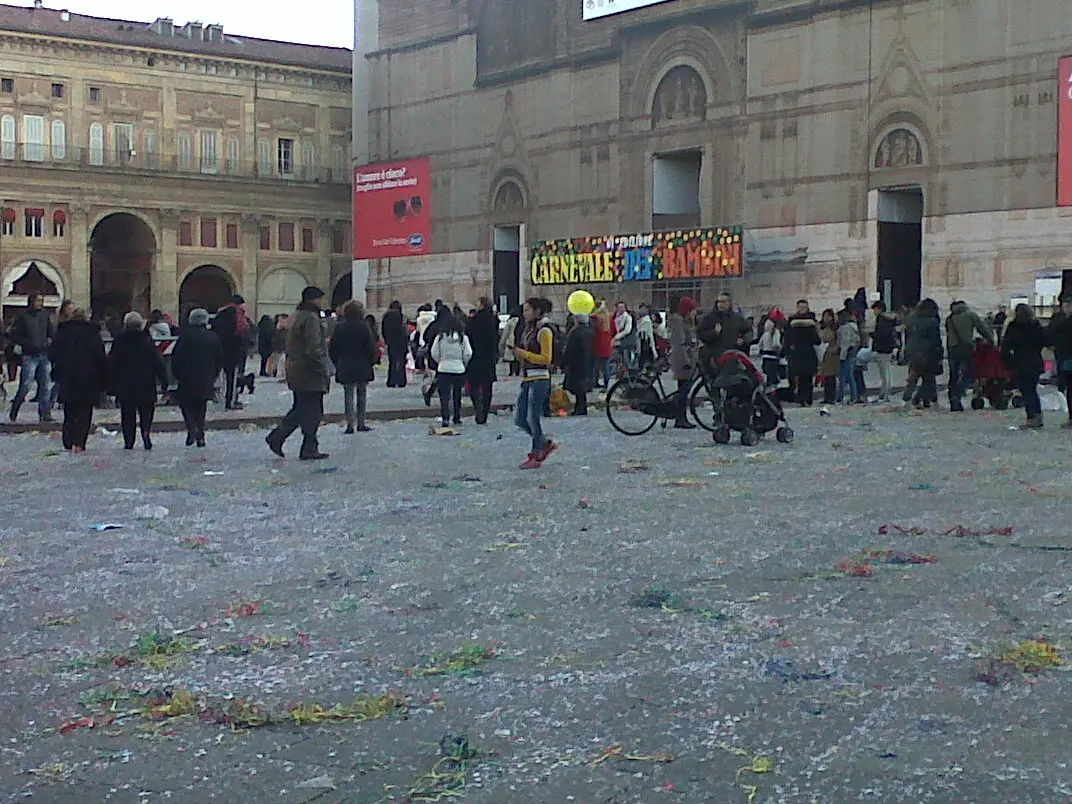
[
  {"x": 352, "y": 349},
  {"x": 32, "y": 334},
  {"x": 232, "y": 327},
  {"x": 307, "y": 375},
  {"x": 196, "y": 362},
  {"x": 396, "y": 337},
  {"x": 483, "y": 333},
  {"x": 883, "y": 343},
  {"x": 722, "y": 329},
  {"x": 1059, "y": 336},
  {"x": 801, "y": 338},
  {"x": 960, "y": 329},
  {"x": 578, "y": 362}
]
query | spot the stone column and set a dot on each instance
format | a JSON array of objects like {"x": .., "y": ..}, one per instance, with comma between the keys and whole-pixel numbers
[
  {"x": 325, "y": 229},
  {"x": 247, "y": 282},
  {"x": 79, "y": 289},
  {"x": 165, "y": 285}
]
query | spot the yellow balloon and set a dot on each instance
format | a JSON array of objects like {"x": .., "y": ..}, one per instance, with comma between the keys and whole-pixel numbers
[{"x": 581, "y": 302}]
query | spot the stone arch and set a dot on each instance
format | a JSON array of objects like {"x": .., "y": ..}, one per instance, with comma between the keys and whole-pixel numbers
[
  {"x": 680, "y": 95},
  {"x": 343, "y": 290},
  {"x": 279, "y": 290},
  {"x": 207, "y": 286},
  {"x": 900, "y": 147},
  {"x": 509, "y": 192},
  {"x": 900, "y": 119},
  {"x": 689, "y": 47},
  {"x": 123, "y": 248},
  {"x": 26, "y": 276}
]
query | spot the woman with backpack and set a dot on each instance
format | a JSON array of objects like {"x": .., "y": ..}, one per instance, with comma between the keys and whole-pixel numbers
[{"x": 451, "y": 352}]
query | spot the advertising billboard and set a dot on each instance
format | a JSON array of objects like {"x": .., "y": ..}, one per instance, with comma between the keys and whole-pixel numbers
[
  {"x": 688, "y": 254},
  {"x": 392, "y": 210},
  {"x": 594, "y": 9},
  {"x": 1064, "y": 133}
]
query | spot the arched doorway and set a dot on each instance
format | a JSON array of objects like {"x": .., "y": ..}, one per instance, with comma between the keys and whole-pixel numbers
[
  {"x": 122, "y": 251},
  {"x": 280, "y": 291},
  {"x": 207, "y": 286},
  {"x": 24, "y": 278},
  {"x": 343, "y": 292}
]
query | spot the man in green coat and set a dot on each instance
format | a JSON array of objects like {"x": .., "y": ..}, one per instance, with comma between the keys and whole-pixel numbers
[{"x": 308, "y": 376}]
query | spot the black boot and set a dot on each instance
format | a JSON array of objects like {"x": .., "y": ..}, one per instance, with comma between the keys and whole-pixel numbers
[{"x": 14, "y": 412}]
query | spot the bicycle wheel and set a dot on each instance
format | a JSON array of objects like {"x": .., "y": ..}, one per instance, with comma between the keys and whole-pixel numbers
[
  {"x": 631, "y": 406},
  {"x": 706, "y": 408}
]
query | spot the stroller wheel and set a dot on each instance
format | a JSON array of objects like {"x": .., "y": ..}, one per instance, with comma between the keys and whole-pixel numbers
[
  {"x": 977, "y": 403},
  {"x": 749, "y": 437},
  {"x": 784, "y": 435},
  {"x": 721, "y": 435}
]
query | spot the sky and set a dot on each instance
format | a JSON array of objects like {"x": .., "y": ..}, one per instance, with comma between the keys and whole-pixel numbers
[{"x": 321, "y": 22}]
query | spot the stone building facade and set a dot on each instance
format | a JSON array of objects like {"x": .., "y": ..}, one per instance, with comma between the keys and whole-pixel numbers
[
  {"x": 855, "y": 141},
  {"x": 163, "y": 166}
]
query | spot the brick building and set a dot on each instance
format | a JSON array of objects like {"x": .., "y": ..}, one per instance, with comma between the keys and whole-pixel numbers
[
  {"x": 152, "y": 165},
  {"x": 854, "y": 141}
]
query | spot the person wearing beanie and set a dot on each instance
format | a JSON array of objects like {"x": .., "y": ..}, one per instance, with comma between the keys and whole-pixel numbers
[
  {"x": 196, "y": 362},
  {"x": 683, "y": 354},
  {"x": 308, "y": 377},
  {"x": 135, "y": 370}
]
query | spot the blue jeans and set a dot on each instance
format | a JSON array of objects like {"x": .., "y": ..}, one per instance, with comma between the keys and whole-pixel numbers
[
  {"x": 34, "y": 367},
  {"x": 601, "y": 368},
  {"x": 847, "y": 380},
  {"x": 530, "y": 402}
]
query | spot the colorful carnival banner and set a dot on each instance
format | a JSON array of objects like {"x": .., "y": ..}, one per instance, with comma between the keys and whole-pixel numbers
[
  {"x": 694, "y": 254},
  {"x": 392, "y": 210},
  {"x": 1064, "y": 134}
]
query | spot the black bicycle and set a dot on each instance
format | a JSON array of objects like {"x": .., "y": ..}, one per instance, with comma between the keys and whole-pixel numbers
[{"x": 638, "y": 401}]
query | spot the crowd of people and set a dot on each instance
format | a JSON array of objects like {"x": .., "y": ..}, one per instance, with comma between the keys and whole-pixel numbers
[{"x": 457, "y": 353}]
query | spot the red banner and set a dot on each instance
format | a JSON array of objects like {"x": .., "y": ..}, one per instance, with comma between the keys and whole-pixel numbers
[
  {"x": 1064, "y": 134},
  {"x": 392, "y": 209}
]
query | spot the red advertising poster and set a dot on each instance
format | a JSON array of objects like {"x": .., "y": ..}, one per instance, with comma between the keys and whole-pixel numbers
[
  {"x": 1064, "y": 134},
  {"x": 392, "y": 209}
]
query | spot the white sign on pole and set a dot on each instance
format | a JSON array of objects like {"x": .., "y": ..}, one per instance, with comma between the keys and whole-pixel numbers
[{"x": 594, "y": 9}]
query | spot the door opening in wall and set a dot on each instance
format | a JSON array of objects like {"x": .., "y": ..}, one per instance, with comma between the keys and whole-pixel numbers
[
  {"x": 900, "y": 246},
  {"x": 506, "y": 268},
  {"x": 675, "y": 190}
]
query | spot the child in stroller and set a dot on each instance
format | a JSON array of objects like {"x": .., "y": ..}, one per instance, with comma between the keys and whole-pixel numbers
[
  {"x": 742, "y": 403},
  {"x": 991, "y": 380}
]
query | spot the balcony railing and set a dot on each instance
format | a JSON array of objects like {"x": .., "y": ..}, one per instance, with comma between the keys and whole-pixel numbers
[{"x": 35, "y": 155}]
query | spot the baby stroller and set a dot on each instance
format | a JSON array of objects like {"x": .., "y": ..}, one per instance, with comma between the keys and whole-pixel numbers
[
  {"x": 741, "y": 402},
  {"x": 991, "y": 380}
]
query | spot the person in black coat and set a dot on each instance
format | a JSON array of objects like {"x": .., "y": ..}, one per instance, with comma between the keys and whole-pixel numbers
[
  {"x": 265, "y": 334},
  {"x": 1021, "y": 349},
  {"x": 801, "y": 338},
  {"x": 136, "y": 369},
  {"x": 353, "y": 351},
  {"x": 578, "y": 362},
  {"x": 923, "y": 351},
  {"x": 81, "y": 369},
  {"x": 396, "y": 337},
  {"x": 196, "y": 362},
  {"x": 483, "y": 333},
  {"x": 232, "y": 328}
]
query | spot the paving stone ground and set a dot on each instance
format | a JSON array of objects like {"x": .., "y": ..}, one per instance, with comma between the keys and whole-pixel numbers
[{"x": 776, "y": 664}]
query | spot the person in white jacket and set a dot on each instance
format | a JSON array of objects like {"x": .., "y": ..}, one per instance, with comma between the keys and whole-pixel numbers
[{"x": 451, "y": 351}]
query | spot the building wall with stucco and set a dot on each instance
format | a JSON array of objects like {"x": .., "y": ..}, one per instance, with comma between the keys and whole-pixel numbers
[{"x": 211, "y": 155}]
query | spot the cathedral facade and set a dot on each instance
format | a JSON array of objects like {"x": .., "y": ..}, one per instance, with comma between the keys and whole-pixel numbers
[{"x": 781, "y": 149}]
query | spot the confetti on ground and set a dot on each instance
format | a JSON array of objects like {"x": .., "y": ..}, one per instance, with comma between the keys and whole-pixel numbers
[
  {"x": 616, "y": 751},
  {"x": 468, "y": 660}
]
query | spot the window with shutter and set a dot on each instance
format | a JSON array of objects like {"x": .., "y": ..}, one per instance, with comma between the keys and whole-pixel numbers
[
  {"x": 232, "y": 235},
  {"x": 234, "y": 155},
  {"x": 285, "y": 161},
  {"x": 150, "y": 148},
  {"x": 7, "y": 137},
  {"x": 210, "y": 151},
  {"x": 338, "y": 240},
  {"x": 123, "y": 143},
  {"x": 307, "y": 243},
  {"x": 33, "y": 138},
  {"x": 208, "y": 233},
  {"x": 59, "y": 140},
  {"x": 266, "y": 238},
  {"x": 308, "y": 161},
  {"x": 96, "y": 144},
  {"x": 338, "y": 163},
  {"x": 186, "y": 233},
  {"x": 264, "y": 158},
  {"x": 184, "y": 149}
]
